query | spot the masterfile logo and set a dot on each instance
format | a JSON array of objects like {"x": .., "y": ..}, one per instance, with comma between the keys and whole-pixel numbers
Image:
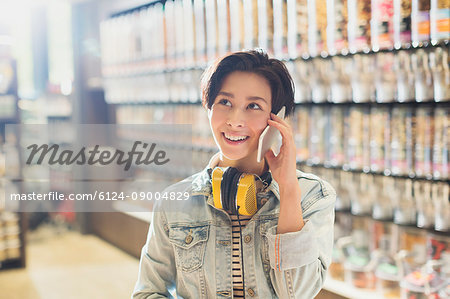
[{"x": 96, "y": 155}]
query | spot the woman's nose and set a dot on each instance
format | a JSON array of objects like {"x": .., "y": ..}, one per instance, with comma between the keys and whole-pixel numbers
[{"x": 236, "y": 118}]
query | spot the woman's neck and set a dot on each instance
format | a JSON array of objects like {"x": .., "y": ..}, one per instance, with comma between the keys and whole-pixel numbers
[{"x": 244, "y": 165}]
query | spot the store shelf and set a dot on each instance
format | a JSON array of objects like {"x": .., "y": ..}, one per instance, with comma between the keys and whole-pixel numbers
[
  {"x": 377, "y": 104},
  {"x": 343, "y": 289}
]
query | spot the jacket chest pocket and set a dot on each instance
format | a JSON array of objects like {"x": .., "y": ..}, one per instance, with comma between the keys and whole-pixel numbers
[
  {"x": 264, "y": 226},
  {"x": 189, "y": 244}
]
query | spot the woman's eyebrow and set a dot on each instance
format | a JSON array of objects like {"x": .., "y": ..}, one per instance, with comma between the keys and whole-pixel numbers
[{"x": 230, "y": 95}]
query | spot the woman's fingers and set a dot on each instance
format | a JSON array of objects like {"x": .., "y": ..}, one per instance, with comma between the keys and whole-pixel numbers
[
  {"x": 275, "y": 117},
  {"x": 285, "y": 131}
]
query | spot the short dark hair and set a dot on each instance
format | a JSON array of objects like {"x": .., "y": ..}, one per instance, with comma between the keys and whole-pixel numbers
[{"x": 253, "y": 61}]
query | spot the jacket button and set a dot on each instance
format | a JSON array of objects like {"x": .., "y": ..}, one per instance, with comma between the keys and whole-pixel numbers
[
  {"x": 188, "y": 239},
  {"x": 247, "y": 238},
  {"x": 251, "y": 292}
]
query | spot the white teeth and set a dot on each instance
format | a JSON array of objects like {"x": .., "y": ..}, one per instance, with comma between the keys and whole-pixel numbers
[{"x": 235, "y": 138}]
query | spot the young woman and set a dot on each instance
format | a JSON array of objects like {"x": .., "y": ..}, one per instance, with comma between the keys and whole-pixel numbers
[{"x": 205, "y": 247}]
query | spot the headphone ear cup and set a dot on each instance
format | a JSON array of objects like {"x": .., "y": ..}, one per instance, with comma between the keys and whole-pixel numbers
[
  {"x": 224, "y": 191},
  {"x": 217, "y": 177},
  {"x": 246, "y": 195},
  {"x": 233, "y": 192}
]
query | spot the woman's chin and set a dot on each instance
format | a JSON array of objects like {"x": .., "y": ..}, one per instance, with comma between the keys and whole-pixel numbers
[{"x": 232, "y": 156}]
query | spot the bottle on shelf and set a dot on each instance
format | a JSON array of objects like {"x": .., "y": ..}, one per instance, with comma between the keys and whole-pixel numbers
[
  {"x": 439, "y": 63},
  {"x": 420, "y": 22},
  {"x": 424, "y": 204},
  {"x": 403, "y": 202},
  {"x": 405, "y": 77},
  {"x": 340, "y": 80},
  {"x": 402, "y": 24},
  {"x": 362, "y": 79},
  {"x": 385, "y": 79},
  {"x": 439, "y": 21},
  {"x": 382, "y": 23}
]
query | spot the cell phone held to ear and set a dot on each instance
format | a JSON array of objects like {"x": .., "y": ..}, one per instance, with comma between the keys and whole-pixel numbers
[{"x": 270, "y": 139}]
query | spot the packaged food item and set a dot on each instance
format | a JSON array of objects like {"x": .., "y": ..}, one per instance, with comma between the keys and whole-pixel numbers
[
  {"x": 362, "y": 78},
  {"x": 382, "y": 205},
  {"x": 303, "y": 70},
  {"x": 382, "y": 24},
  {"x": 359, "y": 31},
  {"x": 358, "y": 270},
  {"x": 402, "y": 24},
  {"x": 302, "y": 123},
  {"x": 200, "y": 32},
  {"x": 320, "y": 80},
  {"x": 414, "y": 242},
  {"x": 344, "y": 189},
  {"x": 405, "y": 76},
  {"x": 211, "y": 29},
  {"x": 363, "y": 199},
  {"x": 440, "y": 195},
  {"x": 297, "y": 11},
  {"x": 317, "y": 27},
  {"x": 265, "y": 29},
  {"x": 337, "y": 18},
  {"x": 292, "y": 36},
  {"x": 401, "y": 142},
  {"x": 321, "y": 21},
  {"x": 250, "y": 23},
  {"x": 170, "y": 36},
  {"x": 423, "y": 80},
  {"x": 437, "y": 246},
  {"x": 420, "y": 22},
  {"x": 424, "y": 132},
  {"x": 385, "y": 79},
  {"x": 358, "y": 139},
  {"x": 318, "y": 131},
  {"x": 342, "y": 239},
  {"x": 403, "y": 202},
  {"x": 340, "y": 79},
  {"x": 379, "y": 123},
  {"x": 336, "y": 150},
  {"x": 159, "y": 42},
  {"x": 441, "y": 163},
  {"x": 387, "y": 280},
  {"x": 280, "y": 29},
  {"x": 237, "y": 29},
  {"x": 189, "y": 31},
  {"x": 440, "y": 21},
  {"x": 180, "y": 50},
  {"x": 422, "y": 284},
  {"x": 390, "y": 268},
  {"x": 366, "y": 140},
  {"x": 424, "y": 204},
  {"x": 439, "y": 62}
]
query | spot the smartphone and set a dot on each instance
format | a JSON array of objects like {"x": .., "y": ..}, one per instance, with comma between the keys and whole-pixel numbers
[{"x": 270, "y": 139}]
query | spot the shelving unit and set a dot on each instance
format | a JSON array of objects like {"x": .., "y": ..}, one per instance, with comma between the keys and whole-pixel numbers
[
  {"x": 366, "y": 77},
  {"x": 13, "y": 226}
]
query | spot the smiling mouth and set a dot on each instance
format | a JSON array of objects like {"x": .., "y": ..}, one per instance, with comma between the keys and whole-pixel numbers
[{"x": 234, "y": 139}]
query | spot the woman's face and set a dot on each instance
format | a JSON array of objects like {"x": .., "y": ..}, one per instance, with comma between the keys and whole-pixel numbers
[{"x": 239, "y": 114}]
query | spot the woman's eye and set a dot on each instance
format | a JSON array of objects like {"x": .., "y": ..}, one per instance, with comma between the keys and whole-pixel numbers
[
  {"x": 224, "y": 102},
  {"x": 254, "y": 106}
]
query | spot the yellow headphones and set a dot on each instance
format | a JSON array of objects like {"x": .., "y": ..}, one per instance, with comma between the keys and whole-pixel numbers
[{"x": 234, "y": 191}]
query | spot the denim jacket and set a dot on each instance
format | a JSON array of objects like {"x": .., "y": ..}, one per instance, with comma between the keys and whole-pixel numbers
[{"x": 188, "y": 248}]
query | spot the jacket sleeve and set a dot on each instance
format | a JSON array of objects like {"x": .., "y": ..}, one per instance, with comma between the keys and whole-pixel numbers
[
  {"x": 157, "y": 270},
  {"x": 299, "y": 260}
]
